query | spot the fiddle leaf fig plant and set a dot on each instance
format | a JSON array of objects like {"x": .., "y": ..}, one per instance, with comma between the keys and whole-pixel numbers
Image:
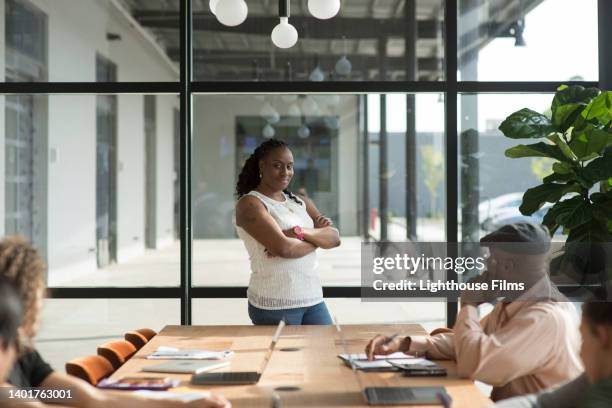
[{"x": 577, "y": 135}]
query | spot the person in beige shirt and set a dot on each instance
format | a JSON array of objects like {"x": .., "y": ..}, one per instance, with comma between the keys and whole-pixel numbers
[{"x": 528, "y": 343}]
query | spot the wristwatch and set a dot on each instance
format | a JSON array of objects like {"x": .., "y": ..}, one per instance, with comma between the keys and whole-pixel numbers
[{"x": 299, "y": 232}]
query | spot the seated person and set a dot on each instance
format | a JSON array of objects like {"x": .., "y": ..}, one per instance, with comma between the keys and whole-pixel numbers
[
  {"x": 21, "y": 265},
  {"x": 527, "y": 343},
  {"x": 593, "y": 389},
  {"x": 10, "y": 319}
]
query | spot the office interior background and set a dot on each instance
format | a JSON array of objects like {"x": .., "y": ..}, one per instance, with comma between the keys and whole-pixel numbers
[{"x": 391, "y": 109}]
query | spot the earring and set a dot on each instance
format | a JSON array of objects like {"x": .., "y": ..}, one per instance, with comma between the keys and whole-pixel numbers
[{"x": 260, "y": 175}]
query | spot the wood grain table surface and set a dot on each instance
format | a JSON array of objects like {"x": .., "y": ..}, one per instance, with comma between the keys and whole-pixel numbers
[{"x": 321, "y": 379}]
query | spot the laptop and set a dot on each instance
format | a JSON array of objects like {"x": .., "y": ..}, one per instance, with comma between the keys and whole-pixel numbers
[
  {"x": 239, "y": 377},
  {"x": 186, "y": 366},
  {"x": 396, "y": 395}
]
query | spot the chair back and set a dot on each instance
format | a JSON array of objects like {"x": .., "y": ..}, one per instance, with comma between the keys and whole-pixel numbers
[
  {"x": 91, "y": 368},
  {"x": 147, "y": 333},
  {"x": 117, "y": 352},
  {"x": 137, "y": 339}
]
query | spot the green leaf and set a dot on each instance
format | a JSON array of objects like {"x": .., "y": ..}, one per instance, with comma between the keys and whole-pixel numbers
[
  {"x": 556, "y": 177},
  {"x": 578, "y": 214},
  {"x": 590, "y": 143},
  {"x": 600, "y": 109},
  {"x": 565, "y": 115},
  {"x": 562, "y": 168},
  {"x": 573, "y": 94},
  {"x": 560, "y": 208},
  {"x": 602, "y": 206},
  {"x": 563, "y": 146},
  {"x": 606, "y": 186},
  {"x": 568, "y": 104},
  {"x": 535, "y": 197},
  {"x": 540, "y": 149},
  {"x": 593, "y": 231},
  {"x": 598, "y": 170},
  {"x": 526, "y": 124}
]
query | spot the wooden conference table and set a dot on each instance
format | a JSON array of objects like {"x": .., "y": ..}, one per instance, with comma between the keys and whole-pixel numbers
[{"x": 322, "y": 378}]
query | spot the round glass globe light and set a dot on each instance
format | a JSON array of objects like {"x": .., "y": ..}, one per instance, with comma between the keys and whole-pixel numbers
[
  {"x": 268, "y": 131},
  {"x": 284, "y": 34},
  {"x": 231, "y": 12},
  {"x": 344, "y": 66},
  {"x": 212, "y": 4},
  {"x": 324, "y": 9},
  {"x": 303, "y": 132}
]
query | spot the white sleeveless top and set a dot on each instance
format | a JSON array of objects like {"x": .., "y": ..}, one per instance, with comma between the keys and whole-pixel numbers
[{"x": 282, "y": 283}]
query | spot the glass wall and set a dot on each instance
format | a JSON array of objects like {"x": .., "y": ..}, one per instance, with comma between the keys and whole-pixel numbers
[
  {"x": 527, "y": 40},
  {"x": 92, "y": 181},
  {"x": 58, "y": 41},
  {"x": 492, "y": 185},
  {"x": 72, "y": 328},
  {"x": 386, "y": 41},
  {"x": 337, "y": 164}
]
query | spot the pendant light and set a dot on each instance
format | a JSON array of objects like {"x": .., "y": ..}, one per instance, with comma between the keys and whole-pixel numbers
[
  {"x": 212, "y": 5},
  {"x": 284, "y": 34},
  {"x": 323, "y": 9},
  {"x": 231, "y": 12}
]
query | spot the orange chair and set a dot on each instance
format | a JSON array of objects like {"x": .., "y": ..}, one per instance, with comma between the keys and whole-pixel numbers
[
  {"x": 91, "y": 369},
  {"x": 137, "y": 339},
  {"x": 117, "y": 352},
  {"x": 140, "y": 337},
  {"x": 147, "y": 333}
]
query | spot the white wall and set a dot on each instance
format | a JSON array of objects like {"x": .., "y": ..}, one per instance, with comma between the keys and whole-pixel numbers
[
  {"x": 130, "y": 177},
  {"x": 76, "y": 33},
  {"x": 165, "y": 169},
  {"x": 71, "y": 212}
]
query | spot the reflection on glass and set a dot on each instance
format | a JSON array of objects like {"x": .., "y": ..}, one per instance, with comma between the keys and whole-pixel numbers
[
  {"x": 337, "y": 165},
  {"x": 491, "y": 185},
  {"x": 514, "y": 40},
  {"x": 90, "y": 181},
  {"x": 129, "y": 33},
  {"x": 392, "y": 41},
  {"x": 72, "y": 328}
]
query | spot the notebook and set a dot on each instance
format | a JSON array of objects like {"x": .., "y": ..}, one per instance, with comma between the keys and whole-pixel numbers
[{"x": 186, "y": 366}]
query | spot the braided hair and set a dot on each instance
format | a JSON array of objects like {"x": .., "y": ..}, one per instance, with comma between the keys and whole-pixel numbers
[{"x": 249, "y": 175}]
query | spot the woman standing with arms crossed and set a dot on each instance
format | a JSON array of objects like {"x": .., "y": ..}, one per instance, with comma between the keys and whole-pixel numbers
[{"x": 281, "y": 233}]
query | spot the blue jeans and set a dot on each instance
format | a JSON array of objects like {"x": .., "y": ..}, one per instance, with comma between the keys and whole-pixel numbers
[{"x": 316, "y": 314}]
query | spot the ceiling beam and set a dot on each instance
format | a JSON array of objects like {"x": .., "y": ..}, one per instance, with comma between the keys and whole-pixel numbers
[
  {"x": 309, "y": 27},
  {"x": 266, "y": 60}
]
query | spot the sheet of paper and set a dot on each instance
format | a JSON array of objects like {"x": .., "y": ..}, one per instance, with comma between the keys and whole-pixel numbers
[
  {"x": 168, "y": 395},
  {"x": 171, "y": 353}
]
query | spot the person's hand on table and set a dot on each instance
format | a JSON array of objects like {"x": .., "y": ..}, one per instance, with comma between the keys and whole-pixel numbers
[
  {"x": 212, "y": 401},
  {"x": 383, "y": 345}
]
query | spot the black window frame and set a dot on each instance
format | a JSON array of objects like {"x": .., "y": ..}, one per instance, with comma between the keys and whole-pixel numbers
[{"x": 186, "y": 88}]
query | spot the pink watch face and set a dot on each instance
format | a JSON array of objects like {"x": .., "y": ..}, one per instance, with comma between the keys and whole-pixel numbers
[{"x": 299, "y": 233}]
